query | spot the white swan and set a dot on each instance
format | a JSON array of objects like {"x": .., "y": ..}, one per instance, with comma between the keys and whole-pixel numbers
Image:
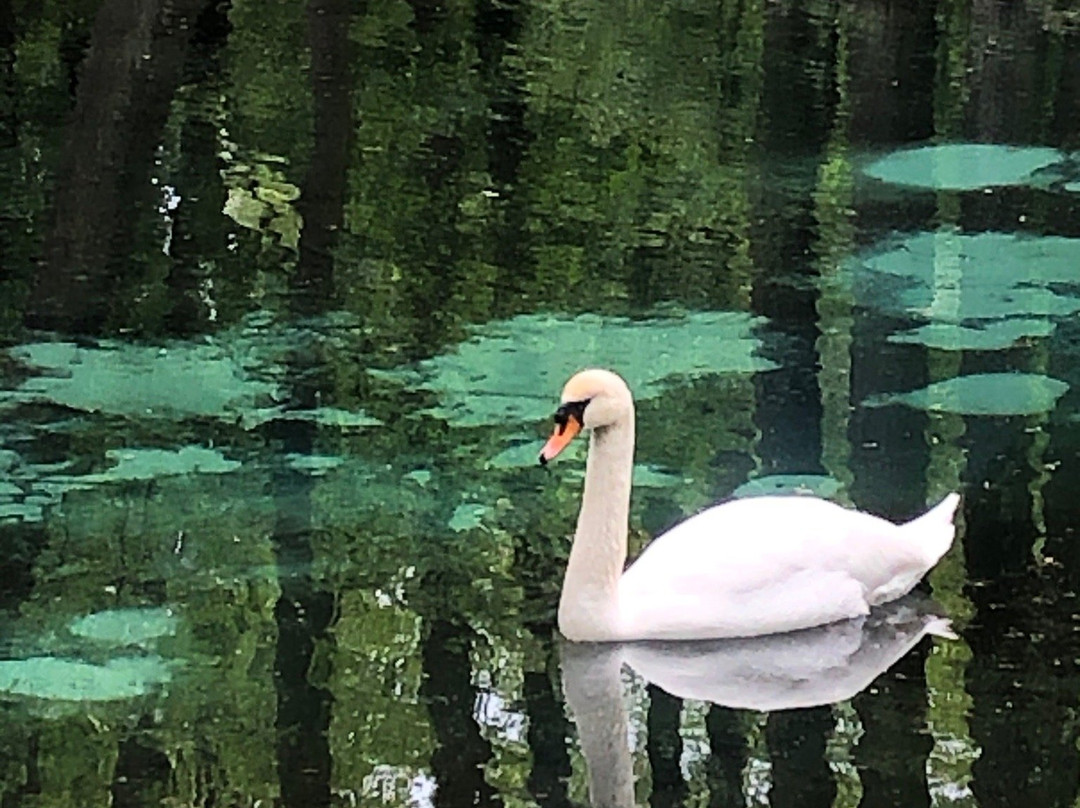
[{"x": 741, "y": 569}]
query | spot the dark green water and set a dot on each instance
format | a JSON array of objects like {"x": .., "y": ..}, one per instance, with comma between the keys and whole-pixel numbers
[{"x": 288, "y": 291}]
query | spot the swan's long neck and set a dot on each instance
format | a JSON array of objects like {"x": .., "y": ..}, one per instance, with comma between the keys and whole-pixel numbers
[{"x": 589, "y": 606}]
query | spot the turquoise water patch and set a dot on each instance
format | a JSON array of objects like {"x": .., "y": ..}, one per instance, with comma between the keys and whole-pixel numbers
[
  {"x": 329, "y": 416},
  {"x": 467, "y": 516},
  {"x": 60, "y": 679},
  {"x": 140, "y": 380},
  {"x": 963, "y": 166},
  {"x": 808, "y": 484},
  {"x": 21, "y": 512},
  {"x": 649, "y": 476},
  {"x": 1002, "y": 287},
  {"x": 236, "y": 375},
  {"x": 132, "y": 626},
  {"x": 982, "y": 394},
  {"x": 315, "y": 465},
  {"x": 148, "y": 464},
  {"x": 994, "y": 336},
  {"x": 43, "y": 487},
  {"x": 526, "y": 455},
  {"x": 519, "y": 455},
  {"x": 513, "y": 370}
]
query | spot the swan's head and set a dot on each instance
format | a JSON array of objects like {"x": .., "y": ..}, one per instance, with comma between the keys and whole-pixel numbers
[{"x": 592, "y": 399}]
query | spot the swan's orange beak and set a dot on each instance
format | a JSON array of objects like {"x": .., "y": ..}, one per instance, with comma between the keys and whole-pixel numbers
[{"x": 565, "y": 431}]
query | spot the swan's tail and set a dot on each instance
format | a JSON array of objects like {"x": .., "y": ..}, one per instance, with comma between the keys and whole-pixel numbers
[{"x": 934, "y": 530}]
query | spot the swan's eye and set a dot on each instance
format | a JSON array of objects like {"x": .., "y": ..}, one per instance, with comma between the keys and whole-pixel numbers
[{"x": 571, "y": 409}]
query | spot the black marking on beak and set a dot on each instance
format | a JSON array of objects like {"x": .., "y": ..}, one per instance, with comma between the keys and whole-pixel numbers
[{"x": 571, "y": 409}]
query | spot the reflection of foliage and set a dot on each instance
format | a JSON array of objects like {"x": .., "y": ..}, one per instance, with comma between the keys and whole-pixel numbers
[
  {"x": 378, "y": 719},
  {"x": 635, "y": 180},
  {"x": 260, "y": 199}
]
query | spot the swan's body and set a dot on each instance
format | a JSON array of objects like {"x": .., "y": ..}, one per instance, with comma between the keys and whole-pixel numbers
[{"x": 741, "y": 569}]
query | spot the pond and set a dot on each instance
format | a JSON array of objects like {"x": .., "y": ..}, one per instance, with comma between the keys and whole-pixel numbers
[{"x": 288, "y": 292}]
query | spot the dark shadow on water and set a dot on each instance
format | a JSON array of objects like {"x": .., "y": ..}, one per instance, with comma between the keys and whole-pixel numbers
[
  {"x": 458, "y": 761},
  {"x": 891, "y": 756},
  {"x": 1024, "y": 678},
  {"x": 547, "y": 734},
  {"x": 303, "y": 614},
  {"x": 322, "y": 197},
  {"x": 727, "y": 757},
  {"x": 141, "y": 777},
  {"x": 121, "y": 107},
  {"x": 665, "y": 749},
  {"x": 800, "y": 774},
  {"x": 22, "y": 545}
]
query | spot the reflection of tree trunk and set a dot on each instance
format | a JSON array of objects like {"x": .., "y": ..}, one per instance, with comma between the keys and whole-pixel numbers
[
  {"x": 8, "y": 119},
  {"x": 665, "y": 749},
  {"x": 790, "y": 397},
  {"x": 891, "y": 72},
  {"x": 548, "y": 731},
  {"x": 322, "y": 198},
  {"x": 22, "y": 545},
  {"x": 789, "y": 408},
  {"x": 303, "y": 615},
  {"x": 125, "y": 87},
  {"x": 304, "y": 612},
  {"x": 462, "y": 752},
  {"x": 200, "y": 231},
  {"x": 498, "y": 25},
  {"x": 1023, "y": 717},
  {"x": 141, "y": 776},
  {"x": 801, "y": 776},
  {"x": 727, "y": 757},
  {"x": 891, "y": 756},
  {"x": 548, "y": 724}
]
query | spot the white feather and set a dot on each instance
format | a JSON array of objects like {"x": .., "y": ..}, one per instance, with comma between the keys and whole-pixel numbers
[{"x": 773, "y": 564}]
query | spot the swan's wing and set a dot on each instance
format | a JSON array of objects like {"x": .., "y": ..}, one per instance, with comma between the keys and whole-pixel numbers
[
  {"x": 689, "y": 605},
  {"x": 760, "y": 566}
]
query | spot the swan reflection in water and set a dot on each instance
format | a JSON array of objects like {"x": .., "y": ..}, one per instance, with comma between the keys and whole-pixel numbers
[{"x": 799, "y": 669}]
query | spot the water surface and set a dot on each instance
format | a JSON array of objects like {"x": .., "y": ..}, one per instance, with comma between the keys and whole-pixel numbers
[{"x": 287, "y": 294}]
